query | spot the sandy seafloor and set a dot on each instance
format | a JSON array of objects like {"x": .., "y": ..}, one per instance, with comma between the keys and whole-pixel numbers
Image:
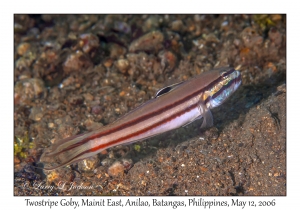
[{"x": 75, "y": 73}]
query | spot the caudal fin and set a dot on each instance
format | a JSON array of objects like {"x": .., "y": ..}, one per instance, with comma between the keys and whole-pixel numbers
[{"x": 67, "y": 151}]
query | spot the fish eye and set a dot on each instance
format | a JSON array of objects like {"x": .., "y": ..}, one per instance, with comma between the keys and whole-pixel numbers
[{"x": 224, "y": 74}]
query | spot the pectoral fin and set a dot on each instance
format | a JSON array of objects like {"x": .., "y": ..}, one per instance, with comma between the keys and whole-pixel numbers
[{"x": 207, "y": 116}]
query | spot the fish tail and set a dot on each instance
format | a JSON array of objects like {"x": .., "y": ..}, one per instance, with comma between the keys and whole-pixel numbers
[{"x": 68, "y": 151}]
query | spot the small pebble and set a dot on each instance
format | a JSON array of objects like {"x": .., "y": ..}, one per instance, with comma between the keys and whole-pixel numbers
[
  {"x": 281, "y": 88},
  {"x": 122, "y": 27},
  {"x": 275, "y": 36},
  {"x": 91, "y": 125},
  {"x": 60, "y": 175},
  {"x": 88, "y": 97},
  {"x": 151, "y": 23},
  {"x": 22, "y": 48},
  {"x": 177, "y": 25},
  {"x": 107, "y": 162},
  {"x": 88, "y": 164},
  {"x": 36, "y": 114},
  {"x": 51, "y": 125},
  {"x": 76, "y": 99},
  {"x": 122, "y": 93},
  {"x": 116, "y": 169},
  {"x": 149, "y": 41},
  {"x": 122, "y": 65},
  {"x": 108, "y": 63},
  {"x": 116, "y": 50},
  {"x": 88, "y": 42},
  {"x": 67, "y": 82},
  {"x": 96, "y": 110},
  {"x": 117, "y": 110},
  {"x": 76, "y": 62},
  {"x": 168, "y": 60},
  {"x": 211, "y": 38},
  {"x": 251, "y": 37},
  {"x": 276, "y": 17},
  {"x": 16, "y": 160},
  {"x": 28, "y": 89},
  {"x": 127, "y": 163}
]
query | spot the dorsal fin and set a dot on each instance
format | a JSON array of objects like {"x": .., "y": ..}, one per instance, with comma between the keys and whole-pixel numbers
[{"x": 167, "y": 89}]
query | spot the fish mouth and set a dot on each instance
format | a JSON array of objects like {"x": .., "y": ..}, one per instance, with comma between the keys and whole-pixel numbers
[
  {"x": 226, "y": 91},
  {"x": 237, "y": 80}
]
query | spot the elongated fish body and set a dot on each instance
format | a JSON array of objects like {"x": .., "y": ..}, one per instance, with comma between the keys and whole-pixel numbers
[{"x": 174, "y": 106}]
